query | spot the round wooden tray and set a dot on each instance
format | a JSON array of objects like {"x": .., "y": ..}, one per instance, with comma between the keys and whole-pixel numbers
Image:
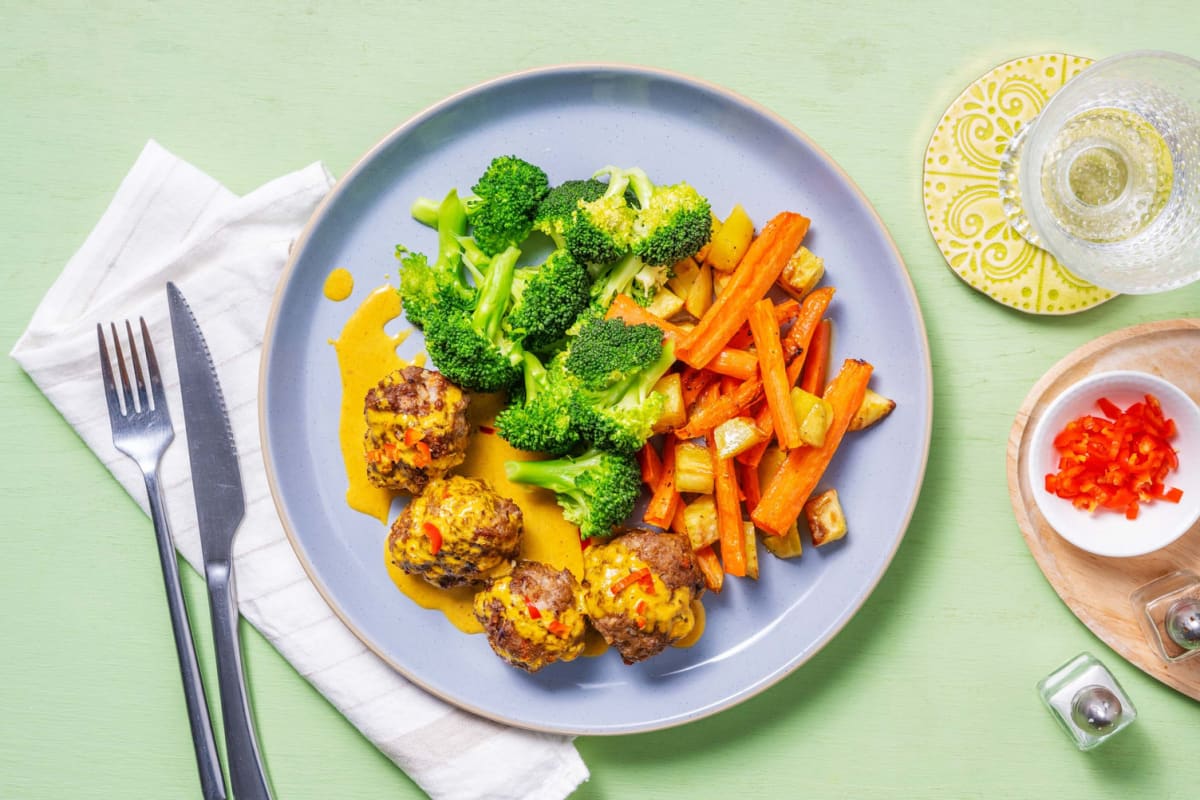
[{"x": 1097, "y": 589}]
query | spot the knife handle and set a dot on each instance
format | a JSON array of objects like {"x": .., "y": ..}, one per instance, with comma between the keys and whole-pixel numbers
[
  {"x": 212, "y": 783},
  {"x": 246, "y": 774}
]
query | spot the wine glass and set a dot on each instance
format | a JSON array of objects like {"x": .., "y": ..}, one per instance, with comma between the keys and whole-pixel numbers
[{"x": 1107, "y": 177}]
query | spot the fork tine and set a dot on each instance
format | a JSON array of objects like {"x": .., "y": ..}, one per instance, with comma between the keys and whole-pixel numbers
[
  {"x": 156, "y": 384},
  {"x": 110, "y": 386},
  {"x": 127, "y": 390},
  {"x": 143, "y": 401}
]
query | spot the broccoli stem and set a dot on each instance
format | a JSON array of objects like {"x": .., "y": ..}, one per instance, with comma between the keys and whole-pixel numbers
[
  {"x": 451, "y": 224},
  {"x": 535, "y": 376},
  {"x": 635, "y": 390},
  {"x": 618, "y": 279},
  {"x": 643, "y": 189},
  {"x": 425, "y": 211},
  {"x": 495, "y": 292},
  {"x": 618, "y": 180},
  {"x": 557, "y": 475}
]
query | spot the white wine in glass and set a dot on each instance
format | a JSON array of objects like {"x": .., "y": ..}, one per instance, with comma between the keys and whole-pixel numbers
[{"x": 1107, "y": 176}]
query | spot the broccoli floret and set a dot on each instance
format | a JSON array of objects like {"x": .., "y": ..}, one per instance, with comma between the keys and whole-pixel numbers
[
  {"x": 673, "y": 222},
  {"x": 541, "y": 420},
  {"x": 547, "y": 300},
  {"x": 471, "y": 347},
  {"x": 605, "y": 351},
  {"x": 597, "y": 491},
  {"x": 648, "y": 281},
  {"x": 602, "y": 230},
  {"x": 557, "y": 209},
  {"x": 424, "y": 286},
  {"x": 621, "y": 418},
  {"x": 505, "y": 200}
]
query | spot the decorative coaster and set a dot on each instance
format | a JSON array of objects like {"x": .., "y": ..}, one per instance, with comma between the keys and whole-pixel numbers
[{"x": 962, "y": 199}]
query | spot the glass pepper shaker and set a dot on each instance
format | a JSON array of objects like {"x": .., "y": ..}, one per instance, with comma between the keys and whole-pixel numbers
[
  {"x": 1168, "y": 609},
  {"x": 1087, "y": 701}
]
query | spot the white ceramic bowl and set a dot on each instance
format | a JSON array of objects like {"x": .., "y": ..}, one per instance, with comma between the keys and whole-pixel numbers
[{"x": 1108, "y": 533}]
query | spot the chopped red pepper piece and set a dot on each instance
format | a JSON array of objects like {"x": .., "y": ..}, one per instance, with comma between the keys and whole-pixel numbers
[
  {"x": 558, "y": 628},
  {"x": 434, "y": 535},
  {"x": 421, "y": 459},
  {"x": 534, "y": 611},
  {"x": 412, "y": 436},
  {"x": 1116, "y": 462},
  {"x": 488, "y": 429},
  {"x": 637, "y": 576}
]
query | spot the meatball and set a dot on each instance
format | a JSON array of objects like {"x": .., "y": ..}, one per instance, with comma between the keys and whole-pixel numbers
[
  {"x": 455, "y": 531},
  {"x": 638, "y": 590},
  {"x": 534, "y": 616},
  {"x": 416, "y": 429}
]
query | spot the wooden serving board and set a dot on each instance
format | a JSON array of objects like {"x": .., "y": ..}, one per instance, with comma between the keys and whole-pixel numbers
[{"x": 1096, "y": 588}]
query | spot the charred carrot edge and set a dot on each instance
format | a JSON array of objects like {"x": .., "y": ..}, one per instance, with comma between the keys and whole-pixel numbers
[
  {"x": 762, "y": 265},
  {"x": 735, "y": 363},
  {"x": 651, "y": 464},
  {"x": 784, "y": 496},
  {"x": 732, "y": 535},
  {"x": 774, "y": 373},
  {"x": 694, "y": 382},
  {"x": 816, "y": 366},
  {"x": 661, "y": 508},
  {"x": 812, "y": 310},
  {"x": 785, "y": 312},
  {"x": 710, "y": 566}
]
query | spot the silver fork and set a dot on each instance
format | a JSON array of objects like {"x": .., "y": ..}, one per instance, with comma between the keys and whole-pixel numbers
[{"x": 142, "y": 430}]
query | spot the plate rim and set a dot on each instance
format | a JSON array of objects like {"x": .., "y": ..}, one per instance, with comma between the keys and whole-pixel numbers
[{"x": 299, "y": 244}]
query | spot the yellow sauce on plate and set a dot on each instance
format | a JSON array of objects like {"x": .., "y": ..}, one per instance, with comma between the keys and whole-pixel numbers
[{"x": 339, "y": 284}]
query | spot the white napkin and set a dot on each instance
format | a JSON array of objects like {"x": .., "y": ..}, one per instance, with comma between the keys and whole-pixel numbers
[{"x": 169, "y": 221}]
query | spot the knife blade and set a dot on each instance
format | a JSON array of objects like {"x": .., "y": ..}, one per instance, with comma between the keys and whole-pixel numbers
[{"x": 220, "y": 507}]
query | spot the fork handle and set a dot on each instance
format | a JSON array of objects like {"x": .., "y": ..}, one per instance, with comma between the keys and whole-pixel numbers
[
  {"x": 212, "y": 784},
  {"x": 246, "y": 774}
]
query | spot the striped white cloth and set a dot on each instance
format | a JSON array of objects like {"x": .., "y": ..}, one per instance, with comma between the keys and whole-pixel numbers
[{"x": 169, "y": 221}]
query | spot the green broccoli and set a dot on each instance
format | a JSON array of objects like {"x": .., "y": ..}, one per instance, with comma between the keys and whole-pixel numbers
[
  {"x": 614, "y": 279},
  {"x": 620, "y": 418},
  {"x": 673, "y": 222},
  {"x": 557, "y": 210},
  {"x": 504, "y": 203},
  {"x": 547, "y": 300},
  {"x": 597, "y": 491},
  {"x": 469, "y": 346},
  {"x": 424, "y": 286},
  {"x": 602, "y": 230},
  {"x": 646, "y": 283},
  {"x": 540, "y": 421},
  {"x": 605, "y": 351}
]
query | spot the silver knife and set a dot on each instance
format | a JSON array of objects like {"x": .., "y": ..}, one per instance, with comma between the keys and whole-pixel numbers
[{"x": 220, "y": 506}]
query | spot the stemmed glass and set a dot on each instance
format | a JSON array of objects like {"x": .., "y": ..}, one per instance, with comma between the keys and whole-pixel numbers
[{"x": 1107, "y": 177}]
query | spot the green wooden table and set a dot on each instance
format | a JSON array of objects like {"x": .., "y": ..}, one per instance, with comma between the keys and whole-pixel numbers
[{"x": 928, "y": 692}]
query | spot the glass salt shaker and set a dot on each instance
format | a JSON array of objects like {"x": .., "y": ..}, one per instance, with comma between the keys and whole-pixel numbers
[
  {"x": 1087, "y": 701},
  {"x": 1168, "y": 609}
]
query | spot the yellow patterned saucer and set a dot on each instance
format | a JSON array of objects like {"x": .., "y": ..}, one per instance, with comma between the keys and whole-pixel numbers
[{"x": 962, "y": 202}]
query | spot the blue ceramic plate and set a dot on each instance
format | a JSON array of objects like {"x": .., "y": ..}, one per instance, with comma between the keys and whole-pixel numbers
[{"x": 572, "y": 120}]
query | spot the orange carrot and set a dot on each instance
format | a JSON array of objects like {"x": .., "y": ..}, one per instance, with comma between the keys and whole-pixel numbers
[
  {"x": 785, "y": 312},
  {"x": 651, "y": 464},
  {"x": 729, "y": 513},
  {"x": 774, "y": 373},
  {"x": 784, "y": 497},
  {"x": 757, "y": 272},
  {"x": 734, "y": 362},
  {"x": 796, "y": 343},
  {"x": 816, "y": 365},
  {"x": 626, "y": 308},
  {"x": 748, "y": 480},
  {"x": 678, "y": 523},
  {"x": 665, "y": 499},
  {"x": 724, "y": 406},
  {"x": 710, "y": 565},
  {"x": 694, "y": 383}
]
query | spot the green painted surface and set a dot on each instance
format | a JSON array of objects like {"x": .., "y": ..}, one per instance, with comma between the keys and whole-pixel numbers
[{"x": 928, "y": 692}]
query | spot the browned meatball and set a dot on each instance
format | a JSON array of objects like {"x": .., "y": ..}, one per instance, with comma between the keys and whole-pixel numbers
[
  {"x": 534, "y": 616},
  {"x": 417, "y": 429},
  {"x": 455, "y": 531},
  {"x": 638, "y": 591}
]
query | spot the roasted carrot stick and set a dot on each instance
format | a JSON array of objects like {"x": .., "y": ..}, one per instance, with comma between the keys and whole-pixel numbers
[
  {"x": 735, "y": 363},
  {"x": 718, "y": 409},
  {"x": 784, "y": 497},
  {"x": 710, "y": 565},
  {"x": 651, "y": 464},
  {"x": 785, "y": 312},
  {"x": 748, "y": 480},
  {"x": 812, "y": 310},
  {"x": 774, "y": 373},
  {"x": 764, "y": 261},
  {"x": 729, "y": 512},
  {"x": 661, "y": 509},
  {"x": 694, "y": 383},
  {"x": 816, "y": 365}
]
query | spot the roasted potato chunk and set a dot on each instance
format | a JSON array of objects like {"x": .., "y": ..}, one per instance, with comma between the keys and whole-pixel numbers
[
  {"x": 826, "y": 520},
  {"x": 802, "y": 273},
  {"x": 874, "y": 408}
]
